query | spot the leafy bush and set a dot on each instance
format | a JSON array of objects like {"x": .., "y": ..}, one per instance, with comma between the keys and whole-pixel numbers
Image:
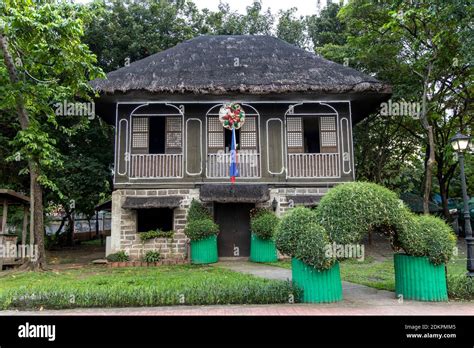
[
  {"x": 197, "y": 211},
  {"x": 152, "y": 256},
  {"x": 160, "y": 286},
  {"x": 155, "y": 234},
  {"x": 311, "y": 246},
  {"x": 201, "y": 229},
  {"x": 264, "y": 224},
  {"x": 350, "y": 211},
  {"x": 289, "y": 229},
  {"x": 429, "y": 236},
  {"x": 460, "y": 287},
  {"x": 120, "y": 256}
]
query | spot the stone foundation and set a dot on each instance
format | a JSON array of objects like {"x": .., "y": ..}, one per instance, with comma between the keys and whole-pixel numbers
[{"x": 124, "y": 234}]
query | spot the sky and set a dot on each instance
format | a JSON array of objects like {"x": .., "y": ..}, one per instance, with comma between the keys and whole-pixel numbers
[{"x": 305, "y": 7}]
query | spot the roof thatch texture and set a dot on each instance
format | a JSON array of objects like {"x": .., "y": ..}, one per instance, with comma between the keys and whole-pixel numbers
[
  {"x": 151, "y": 202},
  {"x": 234, "y": 193},
  {"x": 249, "y": 64}
]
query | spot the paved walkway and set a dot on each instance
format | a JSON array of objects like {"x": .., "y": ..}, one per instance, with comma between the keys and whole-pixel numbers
[{"x": 358, "y": 300}]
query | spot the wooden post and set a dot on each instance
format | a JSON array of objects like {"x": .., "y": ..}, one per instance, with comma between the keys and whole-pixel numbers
[
  {"x": 4, "y": 216},
  {"x": 25, "y": 225}
]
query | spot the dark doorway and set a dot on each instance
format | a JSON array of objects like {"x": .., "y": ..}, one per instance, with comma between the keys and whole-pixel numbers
[
  {"x": 311, "y": 135},
  {"x": 234, "y": 222},
  {"x": 157, "y": 135},
  {"x": 156, "y": 218}
]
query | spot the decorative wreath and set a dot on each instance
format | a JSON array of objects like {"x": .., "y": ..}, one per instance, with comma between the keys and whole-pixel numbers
[{"x": 232, "y": 116}]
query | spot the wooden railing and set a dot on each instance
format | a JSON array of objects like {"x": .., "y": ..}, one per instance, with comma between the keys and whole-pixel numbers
[
  {"x": 156, "y": 166},
  {"x": 314, "y": 165},
  {"x": 218, "y": 165}
]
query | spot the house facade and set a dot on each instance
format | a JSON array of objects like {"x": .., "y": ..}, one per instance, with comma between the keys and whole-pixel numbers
[{"x": 171, "y": 147}]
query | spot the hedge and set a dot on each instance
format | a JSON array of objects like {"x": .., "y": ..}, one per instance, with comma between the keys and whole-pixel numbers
[
  {"x": 289, "y": 228},
  {"x": 350, "y": 211},
  {"x": 264, "y": 224},
  {"x": 200, "y": 229}
]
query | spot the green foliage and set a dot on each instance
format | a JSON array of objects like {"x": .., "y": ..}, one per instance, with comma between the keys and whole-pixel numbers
[
  {"x": 311, "y": 247},
  {"x": 197, "y": 211},
  {"x": 429, "y": 236},
  {"x": 292, "y": 29},
  {"x": 460, "y": 287},
  {"x": 350, "y": 211},
  {"x": 144, "y": 236},
  {"x": 290, "y": 227},
  {"x": 200, "y": 229},
  {"x": 264, "y": 224},
  {"x": 327, "y": 28},
  {"x": 154, "y": 286},
  {"x": 152, "y": 256},
  {"x": 120, "y": 256}
]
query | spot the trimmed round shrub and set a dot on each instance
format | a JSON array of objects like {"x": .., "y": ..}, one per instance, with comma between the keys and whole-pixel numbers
[
  {"x": 350, "y": 211},
  {"x": 264, "y": 224},
  {"x": 197, "y": 211},
  {"x": 289, "y": 229},
  {"x": 430, "y": 236},
  {"x": 201, "y": 229},
  {"x": 312, "y": 245}
]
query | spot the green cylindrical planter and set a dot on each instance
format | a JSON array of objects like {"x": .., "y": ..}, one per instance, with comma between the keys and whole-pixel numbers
[
  {"x": 262, "y": 250},
  {"x": 318, "y": 286},
  {"x": 204, "y": 250},
  {"x": 416, "y": 278}
]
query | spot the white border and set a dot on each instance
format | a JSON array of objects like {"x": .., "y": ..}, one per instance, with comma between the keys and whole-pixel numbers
[
  {"x": 282, "y": 131},
  {"x": 200, "y": 145},
  {"x": 257, "y": 116},
  {"x": 338, "y": 130}
]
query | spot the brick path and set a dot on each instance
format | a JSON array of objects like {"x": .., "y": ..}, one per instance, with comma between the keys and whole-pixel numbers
[{"x": 358, "y": 300}]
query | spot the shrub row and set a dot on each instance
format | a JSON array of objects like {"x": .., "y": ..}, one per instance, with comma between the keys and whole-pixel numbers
[{"x": 193, "y": 293}]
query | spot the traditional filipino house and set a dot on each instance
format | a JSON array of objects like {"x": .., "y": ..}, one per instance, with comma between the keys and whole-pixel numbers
[{"x": 296, "y": 112}]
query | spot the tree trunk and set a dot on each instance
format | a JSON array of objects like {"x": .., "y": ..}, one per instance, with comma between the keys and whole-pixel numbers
[
  {"x": 37, "y": 217},
  {"x": 36, "y": 192},
  {"x": 430, "y": 145},
  {"x": 429, "y": 171},
  {"x": 443, "y": 190}
]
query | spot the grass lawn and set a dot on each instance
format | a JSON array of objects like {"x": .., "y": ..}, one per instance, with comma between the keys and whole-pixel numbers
[
  {"x": 381, "y": 275},
  {"x": 138, "y": 286}
]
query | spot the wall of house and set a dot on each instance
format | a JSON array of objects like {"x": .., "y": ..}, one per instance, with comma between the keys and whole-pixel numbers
[
  {"x": 124, "y": 235},
  {"x": 272, "y": 164}
]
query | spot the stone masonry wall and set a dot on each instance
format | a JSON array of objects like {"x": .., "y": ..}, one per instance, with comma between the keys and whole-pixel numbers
[{"x": 124, "y": 234}]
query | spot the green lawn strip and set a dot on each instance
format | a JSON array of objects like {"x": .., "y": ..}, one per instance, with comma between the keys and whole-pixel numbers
[
  {"x": 137, "y": 286},
  {"x": 381, "y": 275}
]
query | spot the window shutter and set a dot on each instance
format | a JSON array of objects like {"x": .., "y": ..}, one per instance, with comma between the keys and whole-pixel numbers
[
  {"x": 215, "y": 134},
  {"x": 328, "y": 134},
  {"x": 140, "y": 133},
  {"x": 294, "y": 128},
  {"x": 248, "y": 134},
  {"x": 174, "y": 139}
]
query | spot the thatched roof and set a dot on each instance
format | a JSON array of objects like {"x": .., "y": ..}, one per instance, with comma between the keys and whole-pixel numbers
[
  {"x": 206, "y": 65},
  {"x": 241, "y": 193},
  {"x": 151, "y": 202}
]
